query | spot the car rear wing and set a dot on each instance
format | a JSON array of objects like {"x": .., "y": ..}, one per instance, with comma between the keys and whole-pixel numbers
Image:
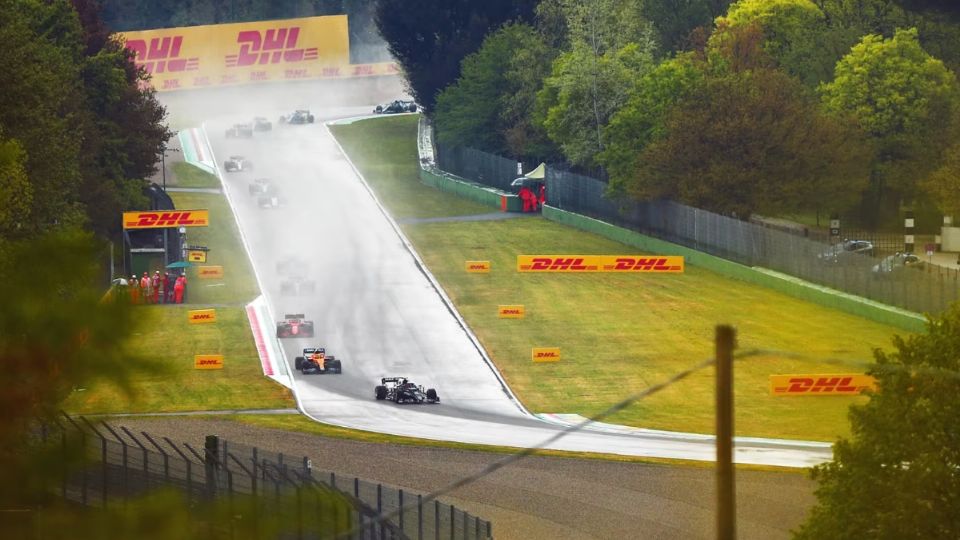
[{"x": 294, "y": 316}]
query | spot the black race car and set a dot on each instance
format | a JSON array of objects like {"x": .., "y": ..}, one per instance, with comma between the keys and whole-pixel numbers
[
  {"x": 315, "y": 361},
  {"x": 401, "y": 390},
  {"x": 300, "y": 116},
  {"x": 260, "y": 186},
  {"x": 244, "y": 131},
  {"x": 271, "y": 198},
  {"x": 237, "y": 164},
  {"x": 262, "y": 124},
  {"x": 395, "y": 107},
  {"x": 294, "y": 326},
  {"x": 297, "y": 286}
]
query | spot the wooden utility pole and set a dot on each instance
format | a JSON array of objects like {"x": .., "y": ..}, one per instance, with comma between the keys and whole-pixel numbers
[{"x": 726, "y": 493}]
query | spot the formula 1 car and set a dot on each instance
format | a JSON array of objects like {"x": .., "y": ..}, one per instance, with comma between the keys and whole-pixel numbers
[
  {"x": 260, "y": 186},
  {"x": 240, "y": 130},
  {"x": 294, "y": 325},
  {"x": 395, "y": 107},
  {"x": 271, "y": 198},
  {"x": 299, "y": 116},
  {"x": 297, "y": 286},
  {"x": 262, "y": 124},
  {"x": 316, "y": 361},
  {"x": 401, "y": 390},
  {"x": 237, "y": 164}
]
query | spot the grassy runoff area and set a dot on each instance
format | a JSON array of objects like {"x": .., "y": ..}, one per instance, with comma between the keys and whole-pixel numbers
[
  {"x": 166, "y": 335},
  {"x": 618, "y": 333},
  {"x": 190, "y": 176}
]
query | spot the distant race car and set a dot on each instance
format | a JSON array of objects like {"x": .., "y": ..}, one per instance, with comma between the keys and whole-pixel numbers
[
  {"x": 297, "y": 286},
  {"x": 244, "y": 131},
  {"x": 847, "y": 252},
  {"x": 262, "y": 124},
  {"x": 260, "y": 186},
  {"x": 299, "y": 116},
  {"x": 401, "y": 390},
  {"x": 315, "y": 361},
  {"x": 396, "y": 106},
  {"x": 237, "y": 164},
  {"x": 271, "y": 198},
  {"x": 294, "y": 326},
  {"x": 894, "y": 264}
]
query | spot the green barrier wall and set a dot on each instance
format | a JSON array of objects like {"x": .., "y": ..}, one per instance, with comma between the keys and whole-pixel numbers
[
  {"x": 475, "y": 192},
  {"x": 789, "y": 285}
]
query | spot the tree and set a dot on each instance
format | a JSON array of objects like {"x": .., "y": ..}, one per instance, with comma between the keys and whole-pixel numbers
[
  {"x": 429, "y": 38},
  {"x": 15, "y": 190},
  {"x": 752, "y": 142},
  {"x": 675, "y": 19},
  {"x": 898, "y": 475},
  {"x": 906, "y": 101},
  {"x": 943, "y": 185}
]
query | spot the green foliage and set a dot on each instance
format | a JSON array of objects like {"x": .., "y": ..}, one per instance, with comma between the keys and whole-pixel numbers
[
  {"x": 905, "y": 100},
  {"x": 897, "y": 476},
  {"x": 752, "y": 142},
  {"x": 944, "y": 183},
  {"x": 15, "y": 190},
  {"x": 676, "y": 19}
]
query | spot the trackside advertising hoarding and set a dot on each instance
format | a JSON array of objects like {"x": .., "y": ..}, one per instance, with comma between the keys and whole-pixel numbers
[
  {"x": 242, "y": 53},
  {"x": 599, "y": 263},
  {"x": 831, "y": 384},
  {"x": 166, "y": 218}
]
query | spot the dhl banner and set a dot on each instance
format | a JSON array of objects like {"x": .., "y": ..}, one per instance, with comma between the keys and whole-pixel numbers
[
  {"x": 478, "y": 267},
  {"x": 599, "y": 263},
  {"x": 200, "y": 316},
  {"x": 208, "y": 361},
  {"x": 166, "y": 218},
  {"x": 545, "y": 354},
  {"x": 197, "y": 256},
  {"x": 833, "y": 384},
  {"x": 510, "y": 312},
  {"x": 241, "y": 53},
  {"x": 209, "y": 272}
]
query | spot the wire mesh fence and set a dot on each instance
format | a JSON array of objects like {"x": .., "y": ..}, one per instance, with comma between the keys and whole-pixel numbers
[
  {"x": 921, "y": 288},
  {"x": 122, "y": 466}
]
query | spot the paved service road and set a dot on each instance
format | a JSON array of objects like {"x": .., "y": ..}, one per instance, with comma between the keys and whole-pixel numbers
[{"x": 377, "y": 311}]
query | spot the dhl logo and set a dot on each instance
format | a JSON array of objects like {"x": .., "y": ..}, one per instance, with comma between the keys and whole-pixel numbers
[
  {"x": 559, "y": 263},
  {"x": 206, "y": 272},
  {"x": 208, "y": 361},
  {"x": 646, "y": 264},
  {"x": 478, "y": 266},
  {"x": 806, "y": 385},
  {"x": 200, "y": 316},
  {"x": 273, "y": 46},
  {"x": 510, "y": 312},
  {"x": 545, "y": 354},
  {"x": 162, "y": 54},
  {"x": 152, "y": 220}
]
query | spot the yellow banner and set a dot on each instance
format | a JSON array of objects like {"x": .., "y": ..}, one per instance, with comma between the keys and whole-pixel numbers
[
  {"x": 166, "y": 218},
  {"x": 200, "y": 316},
  {"x": 209, "y": 272},
  {"x": 599, "y": 263},
  {"x": 197, "y": 256},
  {"x": 545, "y": 354},
  {"x": 241, "y": 53},
  {"x": 510, "y": 312},
  {"x": 208, "y": 361},
  {"x": 478, "y": 267},
  {"x": 832, "y": 384}
]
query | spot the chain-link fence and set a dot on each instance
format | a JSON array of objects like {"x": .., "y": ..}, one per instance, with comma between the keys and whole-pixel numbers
[
  {"x": 922, "y": 288},
  {"x": 123, "y": 465}
]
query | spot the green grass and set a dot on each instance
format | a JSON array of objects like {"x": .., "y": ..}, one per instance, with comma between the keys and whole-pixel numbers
[
  {"x": 189, "y": 176},
  {"x": 389, "y": 164},
  {"x": 165, "y": 335},
  {"x": 620, "y": 333},
  {"x": 238, "y": 285}
]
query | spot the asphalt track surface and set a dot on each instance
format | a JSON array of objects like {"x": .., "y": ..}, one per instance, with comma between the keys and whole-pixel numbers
[{"x": 378, "y": 311}]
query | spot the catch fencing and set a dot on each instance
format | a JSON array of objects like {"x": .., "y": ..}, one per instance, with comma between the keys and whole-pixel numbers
[
  {"x": 924, "y": 288},
  {"x": 275, "y": 488}
]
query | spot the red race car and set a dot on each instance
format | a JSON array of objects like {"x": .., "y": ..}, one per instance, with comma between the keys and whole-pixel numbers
[{"x": 294, "y": 326}]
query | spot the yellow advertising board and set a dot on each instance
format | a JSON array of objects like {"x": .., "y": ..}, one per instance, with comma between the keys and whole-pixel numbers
[
  {"x": 209, "y": 272},
  {"x": 166, "y": 218},
  {"x": 208, "y": 361},
  {"x": 545, "y": 354},
  {"x": 197, "y": 256},
  {"x": 478, "y": 267},
  {"x": 241, "y": 53},
  {"x": 831, "y": 384},
  {"x": 200, "y": 316},
  {"x": 599, "y": 263},
  {"x": 510, "y": 312}
]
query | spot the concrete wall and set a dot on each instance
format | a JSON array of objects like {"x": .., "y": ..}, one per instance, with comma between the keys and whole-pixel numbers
[
  {"x": 476, "y": 192},
  {"x": 789, "y": 285}
]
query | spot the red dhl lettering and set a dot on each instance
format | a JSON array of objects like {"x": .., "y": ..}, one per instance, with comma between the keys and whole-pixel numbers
[
  {"x": 259, "y": 76},
  {"x": 201, "y": 81},
  {"x": 478, "y": 267},
  {"x": 162, "y": 55},
  {"x": 203, "y": 316},
  {"x": 207, "y": 271},
  {"x": 295, "y": 74},
  {"x": 363, "y": 70},
  {"x": 209, "y": 362},
  {"x": 823, "y": 385},
  {"x": 164, "y": 219},
  {"x": 546, "y": 355},
  {"x": 510, "y": 311},
  {"x": 648, "y": 264},
  {"x": 557, "y": 263},
  {"x": 331, "y": 72},
  {"x": 227, "y": 79},
  {"x": 275, "y": 46}
]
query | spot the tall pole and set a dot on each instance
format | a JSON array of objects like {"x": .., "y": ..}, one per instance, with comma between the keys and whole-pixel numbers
[
  {"x": 163, "y": 168},
  {"x": 726, "y": 494}
]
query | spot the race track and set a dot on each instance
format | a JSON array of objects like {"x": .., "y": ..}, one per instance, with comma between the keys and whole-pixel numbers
[{"x": 375, "y": 309}]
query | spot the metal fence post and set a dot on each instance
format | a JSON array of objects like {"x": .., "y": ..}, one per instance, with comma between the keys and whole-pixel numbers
[
  {"x": 400, "y": 509},
  {"x": 419, "y": 517},
  {"x": 380, "y": 508},
  {"x": 211, "y": 449},
  {"x": 436, "y": 519},
  {"x": 453, "y": 521}
]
